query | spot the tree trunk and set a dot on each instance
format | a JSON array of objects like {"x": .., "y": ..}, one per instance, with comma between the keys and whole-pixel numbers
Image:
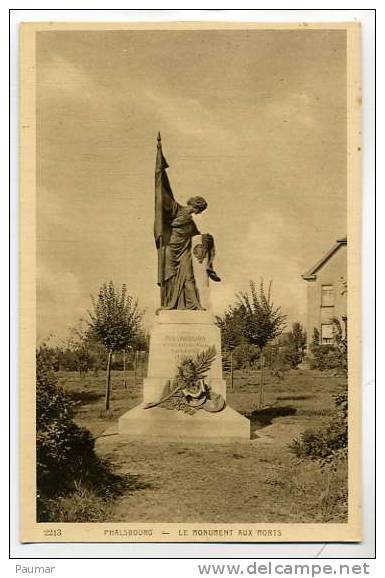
[
  {"x": 124, "y": 370},
  {"x": 135, "y": 367},
  {"x": 232, "y": 369},
  {"x": 261, "y": 387},
  {"x": 140, "y": 366},
  {"x": 108, "y": 381}
]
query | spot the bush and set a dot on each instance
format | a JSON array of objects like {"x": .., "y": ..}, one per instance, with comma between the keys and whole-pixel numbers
[
  {"x": 280, "y": 367},
  {"x": 245, "y": 356},
  {"x": 64, "y": 450},
  {"x": 327, "y": 357},
  {"x": 292, "y": 345},
  {"x": 290, "y": 357},
  {"x": 330, "y": 356},
  {"x": 65, "y": 456},
  {"x": 315, "y": 493},
  {"x": 82, "y": 505},
  {"x": 327, "y": 442}
]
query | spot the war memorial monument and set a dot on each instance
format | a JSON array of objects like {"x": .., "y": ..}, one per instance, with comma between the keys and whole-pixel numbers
[{"x": 184, "y": 393}]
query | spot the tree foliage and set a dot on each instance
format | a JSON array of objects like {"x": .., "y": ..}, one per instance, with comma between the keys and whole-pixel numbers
[
  {"x": 292, "y": 346},
  {"x": 262, "y": 321},
  {"x": 115, "y": 319},
  {"x": 141, "y": 340},
  {"x": 65, "y": 455},
  {"x": 64, "y": 450},
  {"x": 331, "y": 355},
  {"x": 246, "y": 356},
  {"x": 331, "y": 439},
  {"x": 297, "y": 338},
  {"x": 114, "y": 322},
  {"x": 253, "y": 322},
  {"x": 81, "y": 348},
  {"x": 231, "y": 324}
]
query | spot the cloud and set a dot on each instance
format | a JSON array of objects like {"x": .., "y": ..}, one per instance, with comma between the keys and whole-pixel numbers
[
  {"x": 250, "y": 121},
  {"x": 60, "y": 295},
  {"x": 62, "y": 78},
  {"x": 185, "y": 115},
  {"x": 296, "y": 108}
]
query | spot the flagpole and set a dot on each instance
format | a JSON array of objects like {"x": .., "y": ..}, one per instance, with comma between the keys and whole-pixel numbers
[{"x": 161, "y": 250}]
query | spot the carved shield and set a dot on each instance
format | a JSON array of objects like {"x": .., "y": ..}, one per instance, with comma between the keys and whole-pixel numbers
[{"x": 200, "y": 252}]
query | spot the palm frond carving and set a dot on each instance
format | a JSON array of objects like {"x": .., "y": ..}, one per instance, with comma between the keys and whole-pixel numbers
[
  {"x": 189, "y": 372},
  {"x": 204, "y": 360}
]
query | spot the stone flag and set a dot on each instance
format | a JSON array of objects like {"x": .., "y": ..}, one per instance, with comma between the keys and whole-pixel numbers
[{"x": 164, "y": 202}]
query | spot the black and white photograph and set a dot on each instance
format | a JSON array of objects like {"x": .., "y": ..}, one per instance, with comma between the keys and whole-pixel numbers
[{"x": 190, "y": 282}]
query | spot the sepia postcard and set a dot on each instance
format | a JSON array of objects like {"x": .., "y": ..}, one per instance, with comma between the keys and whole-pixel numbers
[{"x": 190, "y": 249}]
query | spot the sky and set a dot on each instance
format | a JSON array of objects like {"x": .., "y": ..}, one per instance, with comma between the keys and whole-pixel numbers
[{"x": 252, "y": 120}]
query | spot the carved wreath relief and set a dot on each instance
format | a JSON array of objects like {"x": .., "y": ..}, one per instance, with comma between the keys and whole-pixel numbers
[{"x": 188, "y": 391}]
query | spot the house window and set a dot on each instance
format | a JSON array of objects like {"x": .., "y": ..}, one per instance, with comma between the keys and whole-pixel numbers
[
  {"x": 327, "y": 333},
  {"x": 327, "y": 296}
]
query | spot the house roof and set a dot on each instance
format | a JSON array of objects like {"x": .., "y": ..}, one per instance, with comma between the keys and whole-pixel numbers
[{"x": 311, "y": 273}]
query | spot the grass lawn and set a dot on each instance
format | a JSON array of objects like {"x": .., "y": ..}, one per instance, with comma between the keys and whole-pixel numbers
[{"x": 259, "y": 481}]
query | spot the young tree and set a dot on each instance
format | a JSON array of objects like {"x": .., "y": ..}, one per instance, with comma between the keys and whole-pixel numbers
[
  {"x": 340, "y": 340},
  {"x": 231, "y": 326},
  {"x": 315, "y": 337},
  {"x": 263, "y": 322},
  {"x": 297, "y": 337},
  {"x": 114, "y": 322},
  {"x": 79, "y": 344},
  {"x": 295, "y": 344},
  {"x": 137, "y": 349}
]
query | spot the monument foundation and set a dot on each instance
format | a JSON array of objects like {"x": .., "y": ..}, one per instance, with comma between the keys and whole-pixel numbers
[
  {"x": 175, "y": 335},
  {"x": 163, "y": 424}
]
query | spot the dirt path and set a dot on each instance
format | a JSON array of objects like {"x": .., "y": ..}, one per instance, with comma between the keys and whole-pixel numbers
[
  {"x": 232, "y": 482},
  {"x": 255, "y": 481}
]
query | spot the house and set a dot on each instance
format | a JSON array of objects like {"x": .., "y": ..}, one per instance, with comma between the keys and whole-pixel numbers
[{"x": 327, "y": 292}]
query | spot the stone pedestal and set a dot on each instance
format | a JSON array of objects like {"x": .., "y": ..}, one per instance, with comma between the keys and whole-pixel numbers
[{"x": 177, "y": 334}]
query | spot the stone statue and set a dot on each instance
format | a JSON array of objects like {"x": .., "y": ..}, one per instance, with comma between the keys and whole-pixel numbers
[
  {"x": 174, "y": 228},
  {"x": 184, "y": 393}
]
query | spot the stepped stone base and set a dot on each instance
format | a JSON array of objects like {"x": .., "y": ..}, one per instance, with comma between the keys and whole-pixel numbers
[
  {"x": 175, "y": 335},
  {"x": 160, "y": 423}
]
